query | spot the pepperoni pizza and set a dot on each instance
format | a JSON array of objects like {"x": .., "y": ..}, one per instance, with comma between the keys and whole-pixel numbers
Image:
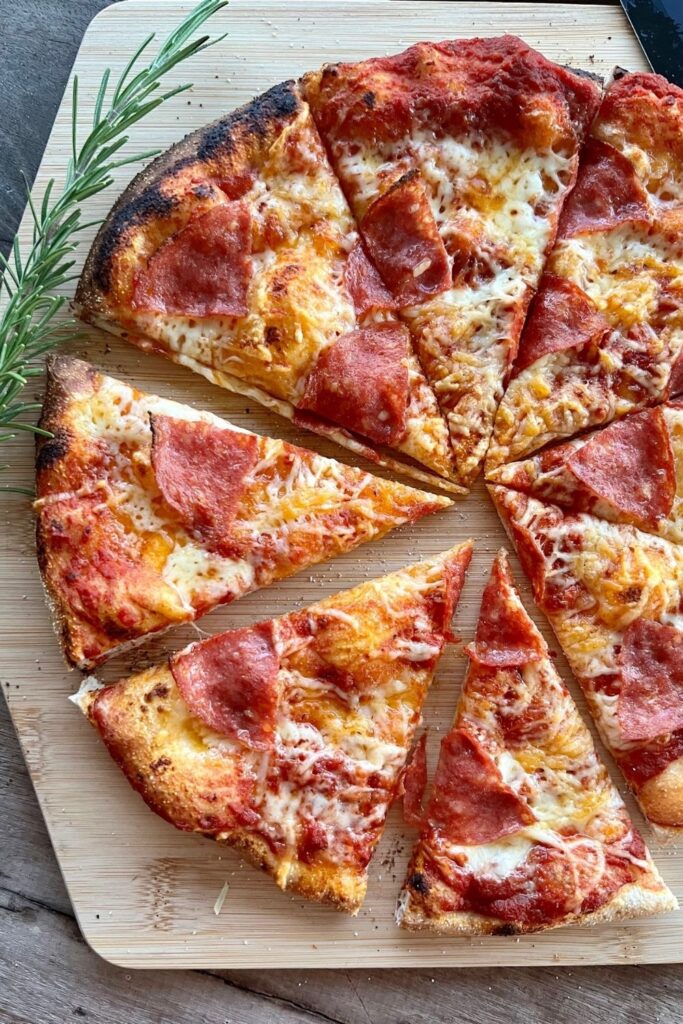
[
  {"x": 456, "y": 158},
  {"x": 524, "y": 829},
  {"x": 614, "y": 597},
  {"x": 287, "y": 739},
  {"x": 628, "y": 472},
  {"x": 151, "y": 514},
  {"x": 236, "y": 255},
  {"x": 605, "y": 331}
]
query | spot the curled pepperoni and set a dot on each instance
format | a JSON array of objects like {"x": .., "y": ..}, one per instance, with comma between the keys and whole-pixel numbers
[
  {"x": 404, "y": 241},
  {"x": 203, "y": 270},
  {"x": 630, "y": 465},
  {"x": 651, "y": 698},
  {"x": 607, "y": 193},
  {"x": 506, "y": 637},
  {"x": 201, "y": 471},
  {"x": 470, "y": 802},
  {"x": 361, "y": 382},
  {"x": 561, "y": 317},
  {"x": 230, "y": 683}
]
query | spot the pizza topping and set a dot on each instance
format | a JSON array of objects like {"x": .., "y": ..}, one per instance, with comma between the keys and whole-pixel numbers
[
  {"x": 230, "y": 683},
  {"x": 414, "y": 783},
  {"x": 645, "y": 763},
  {"x": 470, "y": 802},
  {"x": 203, "y": 270},
  {"x": 201, "y": 471},
  {"x": 607, "y": 193},
  {"x": 404, "y": 241},
  {"x": 651, "y": 698},
  {"x": 363, "y": 283},
  {"x": 676, "y": 378},
  {"x": 561, "y": 317},
  {"x": 506, "y": 637},
  {"x": 361, "y": 381},
  {"x": 630, "y": 464}
]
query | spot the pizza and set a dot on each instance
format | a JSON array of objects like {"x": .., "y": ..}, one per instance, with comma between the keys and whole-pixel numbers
[
  {"x": 628, "y": 472},
  {"x": 604, "y": 335},
  {"x": 614, "y": 597},
  {"x": 235, "y": 254},
  {"x": 287, "y": 739},
  {"x": 456, "y": 158},
  {"x": 524, "y": 829},
  {"x": 150, "y": 513}
]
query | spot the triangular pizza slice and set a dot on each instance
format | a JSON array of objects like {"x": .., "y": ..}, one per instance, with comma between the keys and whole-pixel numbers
[
  {"x": 628, "y": 472},
  {"x": 524, "y": 829},
  {"x": 456, "y": 158},
  {"x": 604, "y": 335},
  {"x": 235, "y": 254},
  {"x": 287, "y": 739},
  {"x": 151, "y": 513},
  {"x": 614, "y": 597}
]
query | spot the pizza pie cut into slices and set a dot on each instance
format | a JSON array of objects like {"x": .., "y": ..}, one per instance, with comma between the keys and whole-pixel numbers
[
  {"x": 524, "y": 829},
  {"x": 628, "y": 472},
  {"x": 287, "y": 739},
  {"x": 235, "y": 254},
  {"x": 151, "y": 513},
  {"x": 456, "y": 158},
  {"x": 614, "y": 597},
  {"x": 604, "y": 334}
]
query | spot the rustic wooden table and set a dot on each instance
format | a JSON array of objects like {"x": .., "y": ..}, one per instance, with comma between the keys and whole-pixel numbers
[{"x": 48, "y": 975}]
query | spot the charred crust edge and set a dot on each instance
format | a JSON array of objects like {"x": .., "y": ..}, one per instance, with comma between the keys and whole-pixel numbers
[{"x": 144, "y": 199}]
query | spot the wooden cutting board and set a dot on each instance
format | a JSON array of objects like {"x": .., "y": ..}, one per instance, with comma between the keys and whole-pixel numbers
[{"x": 143, "y": 893}]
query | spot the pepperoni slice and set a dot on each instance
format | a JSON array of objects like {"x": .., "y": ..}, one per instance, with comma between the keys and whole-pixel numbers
[
  {"x": 414, "y": 783},
  {"x": 404, "y": 241},
  {"x": 470, "y": 802},
  {"x": 676, "y": 378},
  {"x": 607, "y": 193},
  {"x": 506, "y": 637},
  {"x": 651, "y": 697},
  {"x": 201, "y": 471},
  {"x": 230, "y": 683},
  {"x": 203, "y": 270},
  {"x": 363, "y": 283},
  {"x": 561, "y": 317},
  {"x": 361, "y": 382},
  {"x": 630, "y": 464}
]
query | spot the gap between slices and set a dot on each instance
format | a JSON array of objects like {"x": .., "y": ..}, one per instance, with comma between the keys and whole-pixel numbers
[
  {"x": 524, "y": 830},
  {"x": 287, "y": 739}
]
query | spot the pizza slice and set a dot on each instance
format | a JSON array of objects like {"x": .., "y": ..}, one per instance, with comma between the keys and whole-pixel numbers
[
  {"x": 456, "y": 158},
  {"x": 235, "y": 254},
  {"x": 524, "y": 829},
  {"x": 151, "y": 513},
  {"x": 287, "y": 739},
  {"x": 604, "y": 335},
  {"x": 614, "y": 597},
  {"x": 628, "y": 472}
]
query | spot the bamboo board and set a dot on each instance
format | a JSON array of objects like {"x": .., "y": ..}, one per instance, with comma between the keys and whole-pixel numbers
[{"x": 144, "y": 894}]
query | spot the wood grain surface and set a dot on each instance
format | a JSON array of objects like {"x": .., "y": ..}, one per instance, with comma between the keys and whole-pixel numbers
[{"x": 46, "y": 971}]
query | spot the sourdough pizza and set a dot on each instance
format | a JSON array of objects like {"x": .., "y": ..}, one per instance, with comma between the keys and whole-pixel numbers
[
  {"x": 287, "y": 739},
  {"x": 524, "y": 829},
  {"x": 456, "y": 158},
  {"x": 605, "y": 332},
  {"x": 614, "y": 597},
  {"x": 235, "y": 254},
  {"x": 151, "y": 513}
]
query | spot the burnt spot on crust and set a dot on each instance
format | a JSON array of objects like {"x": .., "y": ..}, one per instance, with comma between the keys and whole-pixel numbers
[
  {"x": 160, "y": 765},
  {"x": 157, "y": 692},
  {"x": 593, "y": 76},
  {"x": 255, "y": 118},
  {"x": 52, "y": 450},
  {"x": 369, "y": 99},
  {"x": 505, "y": 929},
  {"x": 150, "y": 203},
  {"x": 419, "y": 883}
]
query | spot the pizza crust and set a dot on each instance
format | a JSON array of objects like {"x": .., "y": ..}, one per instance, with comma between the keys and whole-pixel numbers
[{"x": 661, "y": 799}]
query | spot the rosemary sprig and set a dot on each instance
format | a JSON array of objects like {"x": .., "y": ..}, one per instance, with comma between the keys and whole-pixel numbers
[{"x": 28, "y": 325}]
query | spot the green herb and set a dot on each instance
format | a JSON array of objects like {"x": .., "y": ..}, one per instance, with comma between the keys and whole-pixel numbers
[{"x": 29, "y": 326}]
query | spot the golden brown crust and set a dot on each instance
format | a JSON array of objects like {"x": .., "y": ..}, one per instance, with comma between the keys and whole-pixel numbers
[
  {"x": 68, "y": 381},
  {"x": 222, "y": 148},
  {"x": 661, "y": 797}
]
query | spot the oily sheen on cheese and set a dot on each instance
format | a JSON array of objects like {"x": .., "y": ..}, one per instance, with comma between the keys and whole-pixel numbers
[{"x": 310, "y": 806}]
